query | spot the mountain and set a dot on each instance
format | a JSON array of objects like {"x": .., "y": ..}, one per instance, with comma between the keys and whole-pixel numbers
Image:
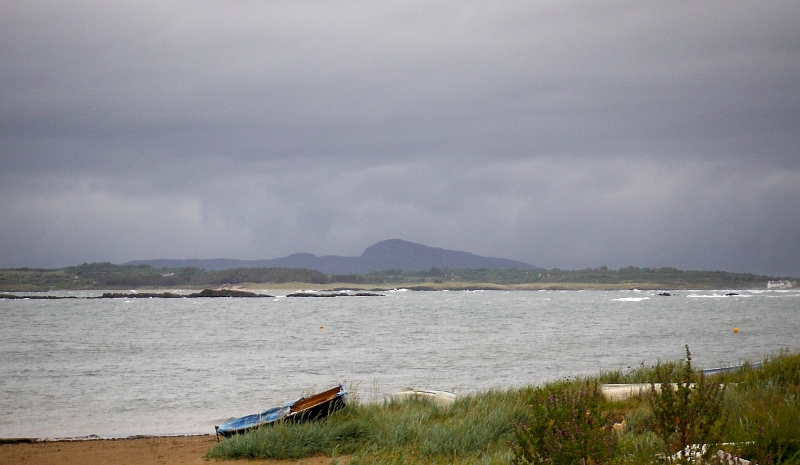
[
  {"x": 392, "y": 254},
  {"x": 396, "y": 254}
]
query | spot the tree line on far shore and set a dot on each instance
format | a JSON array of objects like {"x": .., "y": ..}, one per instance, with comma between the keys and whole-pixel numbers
[{"x": 109, "y": 276}]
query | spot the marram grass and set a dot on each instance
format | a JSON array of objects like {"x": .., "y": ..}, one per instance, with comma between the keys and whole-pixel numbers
[
  {"x": 472, "y": 430},
  {"x": 761, "y": 412}
]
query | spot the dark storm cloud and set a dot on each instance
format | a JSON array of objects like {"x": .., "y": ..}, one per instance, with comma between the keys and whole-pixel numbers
[{"x": 565, "y": 134}]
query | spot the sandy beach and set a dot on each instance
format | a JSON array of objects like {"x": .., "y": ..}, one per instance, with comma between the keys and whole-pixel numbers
[{"x": 170, "y": 450}]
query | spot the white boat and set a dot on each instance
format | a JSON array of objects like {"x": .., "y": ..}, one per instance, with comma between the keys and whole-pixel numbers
[{"x": 440, "y": 398}]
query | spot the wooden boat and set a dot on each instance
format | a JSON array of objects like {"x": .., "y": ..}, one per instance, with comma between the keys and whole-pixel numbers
[{"x": 303, "y": 409}]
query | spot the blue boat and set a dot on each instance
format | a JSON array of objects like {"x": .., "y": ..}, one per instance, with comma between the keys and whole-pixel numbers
[{"x": 303, "y": 409}]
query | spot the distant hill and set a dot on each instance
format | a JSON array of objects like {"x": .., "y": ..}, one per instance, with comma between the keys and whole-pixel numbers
[{"x": 392, "y": 254}]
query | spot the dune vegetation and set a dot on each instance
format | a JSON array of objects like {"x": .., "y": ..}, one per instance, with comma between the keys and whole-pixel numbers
[{"x": 752, "y": 412}]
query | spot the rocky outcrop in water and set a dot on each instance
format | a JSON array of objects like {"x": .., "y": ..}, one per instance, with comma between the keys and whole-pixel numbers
[{"x": 146, "y": 295}]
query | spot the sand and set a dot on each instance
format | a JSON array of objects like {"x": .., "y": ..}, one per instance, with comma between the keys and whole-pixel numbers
[{"x": 172, "y": 450}]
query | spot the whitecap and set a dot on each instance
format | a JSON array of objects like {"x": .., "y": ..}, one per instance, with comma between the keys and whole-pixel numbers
[{"x": 717, "y": 296}]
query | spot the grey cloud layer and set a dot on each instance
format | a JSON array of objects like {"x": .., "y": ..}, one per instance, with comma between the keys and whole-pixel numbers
[{"x": 565, "y": 134}]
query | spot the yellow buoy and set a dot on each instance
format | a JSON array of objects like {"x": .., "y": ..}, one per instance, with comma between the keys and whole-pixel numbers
[
  {"x": 322, "y": 327},
  {"x": 735, "y": 330}
]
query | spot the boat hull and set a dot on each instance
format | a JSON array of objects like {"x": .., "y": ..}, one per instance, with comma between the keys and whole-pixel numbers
[
  {"x": 304, "y": 409},
  {"x": 440, "y": 398}
]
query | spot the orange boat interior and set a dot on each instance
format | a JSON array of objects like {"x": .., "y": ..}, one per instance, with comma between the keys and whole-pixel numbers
[{"x": 308, "y": 402}]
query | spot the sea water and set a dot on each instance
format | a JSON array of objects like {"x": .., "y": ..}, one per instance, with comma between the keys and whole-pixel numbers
[{"x": 121, "y": 367}]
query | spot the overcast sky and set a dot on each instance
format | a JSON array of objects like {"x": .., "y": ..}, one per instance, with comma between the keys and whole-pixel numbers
[{"x": 566, "y": 134}]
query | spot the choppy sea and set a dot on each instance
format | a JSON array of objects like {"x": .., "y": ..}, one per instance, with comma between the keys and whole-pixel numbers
[{"x": 121, "y": 367}]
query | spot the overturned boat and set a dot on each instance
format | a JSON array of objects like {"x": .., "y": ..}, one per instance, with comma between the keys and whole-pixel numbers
[
  {"x": 303, "y": 409},
  {"x": 440, "y": 398}
]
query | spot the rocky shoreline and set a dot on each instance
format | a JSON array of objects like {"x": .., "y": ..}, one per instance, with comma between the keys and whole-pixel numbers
[{"x": 205, "y": 293}]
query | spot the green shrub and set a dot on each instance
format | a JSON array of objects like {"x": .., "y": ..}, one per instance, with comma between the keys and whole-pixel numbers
[
  {"x": 688, "y": 413},
  {"x": 568, "y": 427}
]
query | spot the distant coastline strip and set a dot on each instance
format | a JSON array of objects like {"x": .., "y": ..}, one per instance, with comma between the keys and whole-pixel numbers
[
  {"x": 171, "y": 295},
  {"x": 146, "y": 295}
]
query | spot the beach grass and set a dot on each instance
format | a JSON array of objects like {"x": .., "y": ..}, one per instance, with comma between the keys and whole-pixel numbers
[
  {"x": 414, "y": 431},
  {"x": 754, "y": 415}
]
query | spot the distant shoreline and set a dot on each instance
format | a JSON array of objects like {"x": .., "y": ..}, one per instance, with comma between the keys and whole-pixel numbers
[
  {"x": 110, "y": 277},
  {"x": 357, "y": 287}
]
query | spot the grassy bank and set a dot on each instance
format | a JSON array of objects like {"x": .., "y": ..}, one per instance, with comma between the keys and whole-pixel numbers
[{"x": 756, "y": 414}]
